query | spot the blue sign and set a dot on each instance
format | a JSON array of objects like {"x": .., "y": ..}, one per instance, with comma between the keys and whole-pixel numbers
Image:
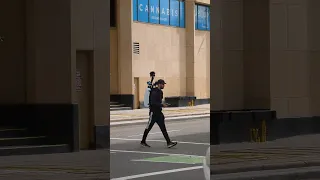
[
  {"x": 135, "y": 10},
  {"x": 202, "y": 16},
  {"x": 196, "y": 16},
  {"x": 154, "y": 11},
  {"x": 182, "y": 14},
  {"x": 166, "y": 12},
  {"x": 174, "y": 12},
  {"x": 208, "y": 18},
  {"x": 143, "y": 15}
]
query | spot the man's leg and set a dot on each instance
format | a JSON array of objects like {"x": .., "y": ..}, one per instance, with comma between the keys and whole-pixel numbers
[
  {"x": 148, "y": 129},
  {"x": 164, "y": 131}
]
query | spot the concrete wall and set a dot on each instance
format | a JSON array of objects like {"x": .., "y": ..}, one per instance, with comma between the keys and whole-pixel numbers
[
  {"x": 41, "y": 40},
  {"x": 264, "y": 55},
  {"x": 166, "y": 50},
  {"x": 12, "y": 52},
  {"x": 114, "y": 80},
  {"x": 163, "y": 50},
  {"x": 90, "y": 27},
  {"x": 202, "y": 64}
]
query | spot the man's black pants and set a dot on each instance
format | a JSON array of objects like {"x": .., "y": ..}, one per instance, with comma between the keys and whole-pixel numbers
[{"x": 156, "y": 117}]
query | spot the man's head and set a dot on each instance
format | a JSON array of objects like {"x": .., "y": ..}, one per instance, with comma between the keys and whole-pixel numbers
[{"x": 161, "y": 83}]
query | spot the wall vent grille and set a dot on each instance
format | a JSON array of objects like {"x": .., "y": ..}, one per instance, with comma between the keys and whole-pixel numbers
[{"x": 136, "y": 48}]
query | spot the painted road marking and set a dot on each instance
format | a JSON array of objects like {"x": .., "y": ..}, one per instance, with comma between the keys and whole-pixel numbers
[
  {"x": 167, "y": 119},
  {"x": 155, "y": 153},
  {"x": 181, "y": 142},
  {"x": 173, "y": 159},
  {"x": 158, "y": 173},
  {"x": 154, "y": 133}
]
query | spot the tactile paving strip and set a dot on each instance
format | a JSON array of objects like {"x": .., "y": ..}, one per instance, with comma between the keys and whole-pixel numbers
[{"x": 247, "y": 155}]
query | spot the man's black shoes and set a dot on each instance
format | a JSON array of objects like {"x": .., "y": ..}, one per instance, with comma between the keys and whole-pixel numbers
[
  {"x": 144, "y": 144},
  {"x": 171, "y": 144}
]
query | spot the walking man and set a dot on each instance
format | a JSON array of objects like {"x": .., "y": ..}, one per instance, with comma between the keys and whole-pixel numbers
[{"x": 156, "y": 115}]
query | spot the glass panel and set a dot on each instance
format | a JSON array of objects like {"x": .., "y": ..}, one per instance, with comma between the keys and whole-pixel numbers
[
  {"x": 174, "y": 12},
  {"x": 135, "y": 10},
  {"x": 182, "y": 14},
  {"x": 143, "y": 10},
  {"x": 154, "y": 11},
  {"x": 164, "y": 12},
  {"x": 202, "y": 17},
  {"x": 208, "y": 18}
]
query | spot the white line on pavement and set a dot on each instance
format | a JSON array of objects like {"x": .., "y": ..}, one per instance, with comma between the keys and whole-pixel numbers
[
  {"x": 154, "y": 133},
  {"x": 167, "y": 119},
  {"x": 142, "y": 160},
  {"x": 155, "y": 153},
  {"x": 181, "y": 142},
  {"x": 158, "y": 173}
]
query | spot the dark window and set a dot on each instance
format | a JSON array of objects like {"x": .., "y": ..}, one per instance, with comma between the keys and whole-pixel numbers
[
  {"x": 202, "y": 17},
  {"x": 113, "y": 13}
]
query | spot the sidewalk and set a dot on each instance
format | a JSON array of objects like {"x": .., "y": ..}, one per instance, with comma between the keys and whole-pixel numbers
[
  {"x": 84, "y": 165},
  {"x": 299, "y": 151},
  {"x": 141, "y": 114}
]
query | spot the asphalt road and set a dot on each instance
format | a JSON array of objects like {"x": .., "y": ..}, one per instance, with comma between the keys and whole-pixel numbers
[{"x": 128, "y": 160}]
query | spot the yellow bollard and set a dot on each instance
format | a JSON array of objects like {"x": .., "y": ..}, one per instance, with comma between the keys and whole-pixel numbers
[
  {"x": 251, "y": 135},
  {"x": 254, "y": 135},
  {"x": 263, "y": 131}
]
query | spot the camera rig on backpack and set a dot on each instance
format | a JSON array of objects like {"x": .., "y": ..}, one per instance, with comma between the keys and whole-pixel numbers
[{"x": 152, "y": 75}]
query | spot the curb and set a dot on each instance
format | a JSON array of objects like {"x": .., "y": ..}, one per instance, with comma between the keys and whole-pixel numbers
[
  {"x": 266, "y": 167},
  {"x": 146, "y": 117},
  {"x": 171, "y": 119},
  {"x": 284, "y": 174}
]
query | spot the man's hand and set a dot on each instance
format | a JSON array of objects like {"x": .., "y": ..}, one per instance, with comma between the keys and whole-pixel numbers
[{"x": 166, "y": 105}]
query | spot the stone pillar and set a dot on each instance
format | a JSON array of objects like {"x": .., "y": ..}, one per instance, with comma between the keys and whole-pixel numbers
[
  {"x": 256, "y": 57},
  {"x": 289, "y": 64},
  {"x": 124, "y": 27},
  {"x": 101, "y": 62},
  {"x": 216, "y": 88},
  {"x": 48, "y": 51},
  {"x": 226, "y": 55},
  {"x": 314, "y": 55},
  {"x": 190, "y": 50},
  {"x": 12, "y": 52}
]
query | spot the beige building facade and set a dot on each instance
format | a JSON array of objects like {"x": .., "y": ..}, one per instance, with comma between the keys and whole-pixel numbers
[
  {"x": 179, "y": 55},
  {"x": 55, "y": 70},
  {"x": 265, "y": 54}
]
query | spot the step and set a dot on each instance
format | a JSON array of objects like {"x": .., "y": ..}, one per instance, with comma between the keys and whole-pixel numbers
[
  {"x": 12, "y": 132},
  {"x": 30, "y": 150},
  {"x": 120, "y": 108},
  {"x": 113, "y": 102},
  {"x": 20, "y": 141},
  {"x": 117, "y": 105}
]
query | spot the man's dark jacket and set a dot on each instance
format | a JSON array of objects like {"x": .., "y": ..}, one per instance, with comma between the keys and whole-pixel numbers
[{"x": 156, "y": 96}]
